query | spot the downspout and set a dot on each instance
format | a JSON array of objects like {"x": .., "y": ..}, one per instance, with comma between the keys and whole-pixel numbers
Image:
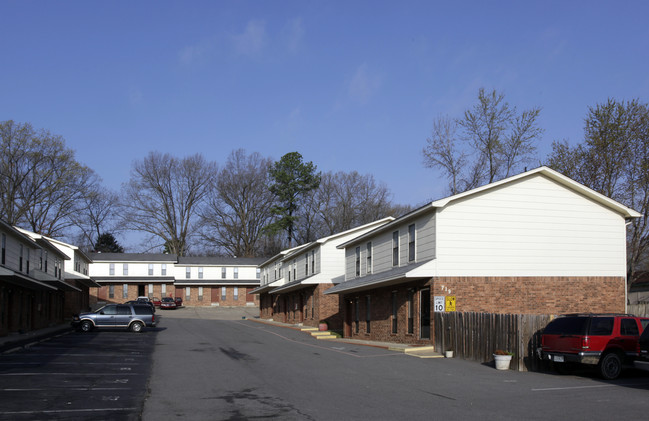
[{"x": 626, "y": 270}]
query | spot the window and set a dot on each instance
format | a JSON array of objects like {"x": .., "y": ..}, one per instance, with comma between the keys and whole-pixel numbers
[
  {"x": 236, "y": 293},
  {"x": 188, "y": 293},
  {"x": 200, "y": 273},
  {"x": 111, "y": 269},
  {"x": 358, "y": 261},
  {"x": 40, "y": 260},
  {"x": 306, "y": 264},
  {"x": 275, "y": 271},
  {"x": 411, "y": 311},
  {"x": 20, "y": 259},
  {"x": 356, "y": 315},
  {"x": 4, "y": 249},
  {"x": 368, "y": 248},
  {"x": 395, "y": 248},
  {"x": 150, "y": 269},
  {"x": 164, "y": 289},
  {"x": 200, "y": 293},
  {"x": 223, "y": 273},
  {"x": 163, "y": 269},
  {"x": 27, "y": 266},
  {"x": 125, "y": 291},
  {"x": 395, "y": 309},
  {"x": 411, "y": 242},
  {"x": 367, "y": 314},
  {"x": 188, "y": 272},
  {"x": 125, "y": 269},
  {"x": 629, "y": 327},
  {"x": 294, "y": 269},
  {"x": 258, "y": 274},
  {"x": 150, "y": 290},
  {"x": 312, "y": 262},
  {"x": 111, "y": 291},
  {"x": 236, "y": 273},
  {"x": 46, "y": 261},
  {"x": 223, "y": 295}
]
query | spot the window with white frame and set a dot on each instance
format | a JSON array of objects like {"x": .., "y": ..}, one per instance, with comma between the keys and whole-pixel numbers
[
  {"x": 223, "y": 273},
  {"x": 411, "y": 242},
  {"x": 200, "y": 293},
  {"x": 163, "y": 269},
  {"x": 223, "y": 293},
  {"x": 358, "y": 261},
  {"x": 258, "y": 275},
  {"x": 111, "y": 291},
  {"x": 40, "y": 260},
  {"x": 45, "y": 261},
  {"x": 306, "y": 264},
  {"x": 125, "y": 269},
  {"x": 395, "y": 248},
  {"x": 28, "y": 255},
  {"x": 150, "y": 290},
  {"x": 188, "y": 272},
  {"x": 236, "y": 293},
  {"x": 200, "y": 273},
  {"x": 150, "y": 269},
  {"x": 163, "y": 289},
  {"x": 20, "y": 259},
  {"x": 312, "y": 262},
  {"x": 236, "y": 273},
  {"x": 368, "y": 254},
  {"x": 3, "y": 257},
  {"x": 111, "y": 269},
  {"x": 125, "y": 291},
  {"x": 188, "y": 292}
]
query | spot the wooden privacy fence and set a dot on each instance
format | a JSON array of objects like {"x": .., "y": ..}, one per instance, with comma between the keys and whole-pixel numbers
[
  {"x": 640, "y": 310},
  {"x": 475, "y": 336}
]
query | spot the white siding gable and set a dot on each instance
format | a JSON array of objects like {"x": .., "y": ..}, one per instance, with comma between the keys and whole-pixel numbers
[{"x": 533, "y": 226}]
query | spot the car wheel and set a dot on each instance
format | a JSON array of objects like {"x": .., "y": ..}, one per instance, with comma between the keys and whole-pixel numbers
[
  {"x": 610, "y": 366},
  {"x": 86, "y": 326},
  {"x": 136, "y": 327}
]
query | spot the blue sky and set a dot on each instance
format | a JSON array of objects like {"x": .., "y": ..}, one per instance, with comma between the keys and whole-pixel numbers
[{"x": 351, "y": 85}]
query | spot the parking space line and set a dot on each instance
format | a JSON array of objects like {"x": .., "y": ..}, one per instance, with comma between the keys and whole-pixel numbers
[
  {"x": 70, "y": 374},
  {"x": 598, "y": 386},
  {"x": 66, "y": 411},
  {"x": 88, "y": 389}
]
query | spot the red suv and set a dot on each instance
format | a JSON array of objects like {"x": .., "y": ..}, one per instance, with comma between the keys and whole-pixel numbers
[{"x": 604, "y": 340}]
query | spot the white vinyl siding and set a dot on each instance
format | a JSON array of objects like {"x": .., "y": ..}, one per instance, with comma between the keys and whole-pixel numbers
[{"x": 532, "y": 227}]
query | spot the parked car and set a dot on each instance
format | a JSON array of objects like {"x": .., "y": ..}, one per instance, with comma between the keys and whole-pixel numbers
[
  {"x": 130, "y": 316},
  {"x": 642, "y": 362},
  {"x": 142, "y": 300},
  {"x": 605, "y": 341},
  {"x": 179, "y": 301},
  {"x": 168, "y": 303},
  {"x": 156, "y": 301}
]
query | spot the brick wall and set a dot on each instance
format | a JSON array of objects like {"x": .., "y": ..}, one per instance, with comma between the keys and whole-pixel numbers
[{"x": 534, "y": 295}]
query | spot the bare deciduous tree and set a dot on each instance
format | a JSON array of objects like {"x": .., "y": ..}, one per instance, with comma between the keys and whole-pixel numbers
[
  {"x": 163, "y": 198},
  {"x": 490, "y": 142},
  {"x": 239, "y": 206}
]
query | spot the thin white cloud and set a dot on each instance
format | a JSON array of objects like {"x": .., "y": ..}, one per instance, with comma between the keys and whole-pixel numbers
[
  {"x": 252, "y": 40},
  {"x": 294, "y": 33},
  {"x": 364, "y": 84}
]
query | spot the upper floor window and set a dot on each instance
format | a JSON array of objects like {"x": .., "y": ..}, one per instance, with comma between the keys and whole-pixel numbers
[
  {"x": 200, "y": 273},
  {"x": 163, "y": 269},
  {"x": 312, "y": 262},
  {"x": 45, "y": 261},
  {"x": 294, "y": 269},
  {"x": 27, "y": 266},
  {"x": 259, "y": 273},
  {"x": 20, "y": 259},
  {"x": 223, "y": 273},
  {"x": 111, "y": 268},
  {"x": 40, "y": 260},
  {"x": 395, "y": 248},
  {"x": 150, "y": 269},
  {"x": 368, "y": 252},
  {"x": 236, "y": 273},
  {"x": 411, "y": 242},
  {"x": 306, "y": 264},
  {"x": 125, "y": 269},
  {"x": 358, "y": 261},
  {"x": 188, "y": 272},
  {"x": 4, "y": 249}
]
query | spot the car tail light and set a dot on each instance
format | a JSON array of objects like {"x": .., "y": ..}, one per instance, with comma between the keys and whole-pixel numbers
[
  {"x": 585, "y": 342},
  {"x": 153, "y": 318}
]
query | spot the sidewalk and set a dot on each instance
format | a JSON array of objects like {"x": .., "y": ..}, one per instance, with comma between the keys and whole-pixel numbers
[
  {"x": 15, "y": 341},
  {"x": 413, "y": 350}
]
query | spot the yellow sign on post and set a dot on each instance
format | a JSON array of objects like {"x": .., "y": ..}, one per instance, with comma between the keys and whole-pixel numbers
[{"x": 450, "y": 303}]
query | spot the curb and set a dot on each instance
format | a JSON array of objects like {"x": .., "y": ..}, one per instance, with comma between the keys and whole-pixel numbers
[{"x": 26, "y": 340}]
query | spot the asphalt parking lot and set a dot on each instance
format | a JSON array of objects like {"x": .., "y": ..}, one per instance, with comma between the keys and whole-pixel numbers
[{"x": 91, "y": 376}]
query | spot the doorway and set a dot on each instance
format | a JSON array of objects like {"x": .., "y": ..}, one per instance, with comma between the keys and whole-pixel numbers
[{"x": 424, "y": 313}]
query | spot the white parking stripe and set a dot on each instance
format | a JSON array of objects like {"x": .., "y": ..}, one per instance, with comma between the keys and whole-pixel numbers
[
  {"x": 66, "y": 411},
  {"x": 599, "y": 386}
]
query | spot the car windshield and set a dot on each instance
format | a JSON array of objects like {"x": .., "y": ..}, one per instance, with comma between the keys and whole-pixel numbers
[{"x": 168, "y": 300}]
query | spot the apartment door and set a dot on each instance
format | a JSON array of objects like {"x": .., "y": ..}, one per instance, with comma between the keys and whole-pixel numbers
[
  {"x": 424, "y": 313},
  {"x": 348, "y": 318}
]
